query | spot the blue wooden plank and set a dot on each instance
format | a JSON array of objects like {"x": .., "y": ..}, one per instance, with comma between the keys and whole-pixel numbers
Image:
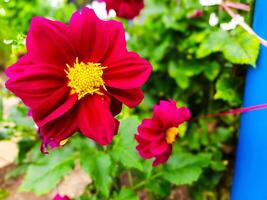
[{"x": 250, "y": 175}]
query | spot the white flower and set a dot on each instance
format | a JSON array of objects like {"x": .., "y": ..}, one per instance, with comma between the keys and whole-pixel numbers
[
  {"x": 232, "y": 24},
  {"x": 100, "y": 10},
  {"x": 210, "y": 2},
  {"x": 214, "y": 20},
  {"x": 2, "y": 12},
  {"x": 228, "y": 26},
  {"x": 56, "y": 3}
]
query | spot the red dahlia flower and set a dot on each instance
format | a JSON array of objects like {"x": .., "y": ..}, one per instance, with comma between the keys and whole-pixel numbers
[
  {"x": 59, "y": 197},
  {"x": 127, "y": 9},
  {"x": 75, "y": 77},
  {"x": 156, "y": 135}
]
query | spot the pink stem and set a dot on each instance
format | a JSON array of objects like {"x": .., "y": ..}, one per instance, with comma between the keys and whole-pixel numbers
[
  {"x": 243, "y": 24},
  {"x": 238, "y": 111},
  {"x": 239, "y": 6}
]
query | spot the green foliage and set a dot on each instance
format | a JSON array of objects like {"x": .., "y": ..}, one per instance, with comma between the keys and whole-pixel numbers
[
  {"x": 225, "y": 89},
  {"x": 193, "y": 63},
  {"x": 126, "y": 193},
  {"x": 184, "y": 168},
  {"x": 15, "y": 19},
  {"x": 3, "y": 194},
  {"x": 123, "y": 150},
  {"x": 238, "y": 47},
  {"x": 44, "y": 174},
  {"x": 98, "y": 166}
]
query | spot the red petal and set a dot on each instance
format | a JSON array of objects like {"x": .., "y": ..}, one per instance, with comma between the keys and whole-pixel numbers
[
  {"x": 131, "y": 98},
  {"x": 42, "y": 87},
  {"x": 143, "y": 147},
  {"x": 128, "y": 72},
  {"x": 159, "y": 147},
  {"x": 125, "y": 8},
  {"x": 96, "y": 40},
  {"x": 183, "y": 114},
  {"x": 33, "y": 83},
  {"x": 96, "y": 121},
  {"x": 163, "y": 157},
  {"x": 149, "y": 125},
  {"x": 48, "y": 111},
  {"x": 60, "y": 129},
  {"x": 169, "y": 115},
  {"x": 115, "y": 106},
  {"x": 19, "y": 67},
  {"x": 47, "y": 42},
  {"x": 149, "y": 130},
  {"x": 144, "y": 151}
]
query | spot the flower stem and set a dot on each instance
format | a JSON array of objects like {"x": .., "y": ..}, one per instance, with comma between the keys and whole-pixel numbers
[
  {"x": 142, "y": 183},
  {"x": 130, "y": 178}
]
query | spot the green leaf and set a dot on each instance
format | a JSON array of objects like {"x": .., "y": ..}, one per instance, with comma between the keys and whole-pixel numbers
[
  {"x": 184, "y": 175},
  {"x": 211, "y": 71},
  {"x": 98, "y": 166},
  {"x": 182, "y": 70},
  {"x": 48, "y": 171},
  {"x": 19, "y": 115},
  {"x": 238, "y": 47},
  {"x": 126, "y": 193},
  {"x": 242, "y": 48},
  {"x": 3, "y": 194},
  {"x": 123, "y": 149},
  {"x": 226, "y": 87},
  {"x": 185, "y": 168},
  {"x": 159, "y": 187}
]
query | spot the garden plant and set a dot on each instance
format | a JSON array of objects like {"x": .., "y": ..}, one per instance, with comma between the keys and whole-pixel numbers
[{"x": 125, "y": 94}]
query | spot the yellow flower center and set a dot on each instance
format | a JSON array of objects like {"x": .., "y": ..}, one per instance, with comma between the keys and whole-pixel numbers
[
  {"x": 171, "y": 134},
  {"x": 85, "y": 78}
]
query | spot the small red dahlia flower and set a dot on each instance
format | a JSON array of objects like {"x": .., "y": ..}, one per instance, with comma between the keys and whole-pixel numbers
[
  {"x": 127, "y": 9},
  {"x": 75, "y": 77},
  {"x": 59, "y": 197},
  {"x": 156, "y": 135},
  {"x": 195, "y": 14}
]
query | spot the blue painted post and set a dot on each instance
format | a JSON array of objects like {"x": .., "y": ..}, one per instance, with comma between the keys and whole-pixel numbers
[{"x": 250, "y": 175}]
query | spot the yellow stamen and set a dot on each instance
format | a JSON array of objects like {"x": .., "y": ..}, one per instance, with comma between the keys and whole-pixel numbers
[
  {"x": 171, "y": 134},
  {"x": 85, "y": 78},
  {"x": 63, "y": 142}
]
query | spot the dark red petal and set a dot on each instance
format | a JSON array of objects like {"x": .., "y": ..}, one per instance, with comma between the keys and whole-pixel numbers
[
  {"x": 53, "y": 106},
  {"x": 149, "y": 130},
  {"x": 140, "y": 140},
  {"x": 96, "y": 121},
  {"x": 143, "y": 148},
  {"x": 48, "y": 111},
  {"x": 159, "y": 147},
  {"x": 125, "y": 8},
  {"x": 96, "y": 40},
  {"x": 144, "y": 151},
  {"x": 128, "y": 72},
  {"x": 47, "y": 42},
  {"x": 163, "y": 157},
  {"x": 115, "y": 106},
  {"x": 19, "y": 67},
  {"x": 152, "y": 136},
  {"x": 59, "y": 129},
  {"x": 131, "y": 98},
  {"x": 33, "y": 83},
  {"x": 42, "y": 87}
]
